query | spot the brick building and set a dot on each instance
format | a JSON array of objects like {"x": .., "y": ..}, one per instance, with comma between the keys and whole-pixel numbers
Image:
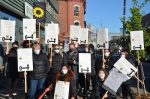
[{"x": 71, "y": 12}]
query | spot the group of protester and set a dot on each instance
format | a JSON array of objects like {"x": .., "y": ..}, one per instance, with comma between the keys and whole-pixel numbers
[{"x": 64, "y": 67}]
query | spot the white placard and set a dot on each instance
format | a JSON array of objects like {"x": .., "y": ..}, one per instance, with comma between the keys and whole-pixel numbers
[
  {"x": 7, "y": 30},
  {"x": 84, "y": 36},
  {"x": 102, "y": 39},
  {"x": 74, "y": 33},
  {"x": 137, "y": 41},
  {"x": 125, "y": 67},
  {"x": 28, "y": 10},
  {"x": 62, "y": 90},
  {"x": 114, "y": 81},
  {"x": 84, "y": 62},
  {"x": 51, "y": 34},
  {"x": 29, "y": 29},
  {"x": 25, "y": 59}
]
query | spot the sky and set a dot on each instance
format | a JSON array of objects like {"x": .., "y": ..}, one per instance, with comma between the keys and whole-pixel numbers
[{"x": 107, "y": 13}]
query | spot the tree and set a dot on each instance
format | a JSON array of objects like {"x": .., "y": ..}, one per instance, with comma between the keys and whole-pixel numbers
[{"x": 134, "y": 23}]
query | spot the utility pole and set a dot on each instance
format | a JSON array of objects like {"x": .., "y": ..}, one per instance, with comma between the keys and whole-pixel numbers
[{"x": 124, "y": 19}]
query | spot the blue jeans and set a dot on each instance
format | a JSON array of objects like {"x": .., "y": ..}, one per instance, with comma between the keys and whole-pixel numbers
[{"x": 35, "y": 85}]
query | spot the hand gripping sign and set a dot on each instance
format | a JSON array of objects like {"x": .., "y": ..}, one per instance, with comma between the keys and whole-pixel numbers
[
  {"x": 114, "y": 81},
  {"x": 74, "y": 33},
  {"x": 25, "y": 59},
  {"x": 29, "y": 29},
  {"x": 51, "y": 34},
  {"x": 102, "y": 39},
  {"x": 84, "y": 36},
  {"x": 62, "y": 90},
  {"x": 7, "y": 30},
  {"x": 125, "y": 67},
  {"x": 137, "y": 42},
  {"x": 84, "y": 63}
]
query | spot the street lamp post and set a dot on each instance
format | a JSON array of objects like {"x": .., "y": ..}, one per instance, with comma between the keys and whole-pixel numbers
[{"x": 124, "y": 19}]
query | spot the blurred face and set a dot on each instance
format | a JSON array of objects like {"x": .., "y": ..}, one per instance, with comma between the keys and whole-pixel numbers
[
  {"x": 56, "y": 49},
  {"x": 37, "y": 49},
  {"x": 102, "y": 75},
  {"x": 86, "y": 49},
  {"x": 14, "y": 45},
  {"x": 123, "y": 54},
  {"x": 72, "y": 47},
  {"x": 64, "y": 70},
  {"x": 107, "y": 53}
]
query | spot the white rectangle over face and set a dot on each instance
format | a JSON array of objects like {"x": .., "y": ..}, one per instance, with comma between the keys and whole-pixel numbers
[
  {"x": 84, "y": 36},
  {"x": 7, "y": 30},
  {"x": 25, "y": 60},
  {"x": 84, "y": 63},
  {"x": 62, "y": 90},
  {"x": 125, "y": 67},
  {"x": 102, "y": 39},
  {"x": 51, "y": 34},
  {"x": 74, "y": 33},
  {"x": 137, "y": 41},
  {"x": 29, "y": 29}
]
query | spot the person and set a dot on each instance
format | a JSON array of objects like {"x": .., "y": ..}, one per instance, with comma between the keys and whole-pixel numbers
[
  {"x": 57, "y": 62},
  {"x": 107, "y": 62},
  {"x": 126, "y": 89},
  {"x": 93, "y": 60},
  {"x": 12, "y": 74},
  {"x": 1, "y": 55},
  {"x": 40, "y": 69},
  {"x": 89, "y": 76},
  {"x": 99, "y": 90},
  {"x": 67, "y": 75},
  {"x": 72, "y": 59}
]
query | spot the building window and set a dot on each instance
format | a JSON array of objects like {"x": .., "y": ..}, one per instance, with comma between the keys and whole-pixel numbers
[
  {"x": 76, "y": 22},
  {"x": 76, "y": 10}
]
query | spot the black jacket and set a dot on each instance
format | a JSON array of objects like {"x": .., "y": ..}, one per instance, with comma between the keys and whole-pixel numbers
[
  {"x": 71, "y": 56},
  {"x": 12, "y": 66},
  {"x": 99, "y": 90},
  {"x": 56, "y": 63},
  {"x": 1, "y": 51},
  {"x": 40, "y": 66}
]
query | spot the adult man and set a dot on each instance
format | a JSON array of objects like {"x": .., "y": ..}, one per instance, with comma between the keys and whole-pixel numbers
[
  {"x": 73, "y": 58},
  {"x": 126, "y": 90}
]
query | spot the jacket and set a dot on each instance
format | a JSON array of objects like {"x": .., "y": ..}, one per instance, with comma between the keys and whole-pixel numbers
[
  {"x": 40, "y": 66},
  {"x": 56, "y": 62},
  {"x": 12, "y": 66}
]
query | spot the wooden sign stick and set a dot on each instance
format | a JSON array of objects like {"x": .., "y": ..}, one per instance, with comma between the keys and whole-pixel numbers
[{"x": 104, "y": 94}]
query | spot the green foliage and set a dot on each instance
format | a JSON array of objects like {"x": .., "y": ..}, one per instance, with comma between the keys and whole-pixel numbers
[{"x": 134, "y": 23}]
